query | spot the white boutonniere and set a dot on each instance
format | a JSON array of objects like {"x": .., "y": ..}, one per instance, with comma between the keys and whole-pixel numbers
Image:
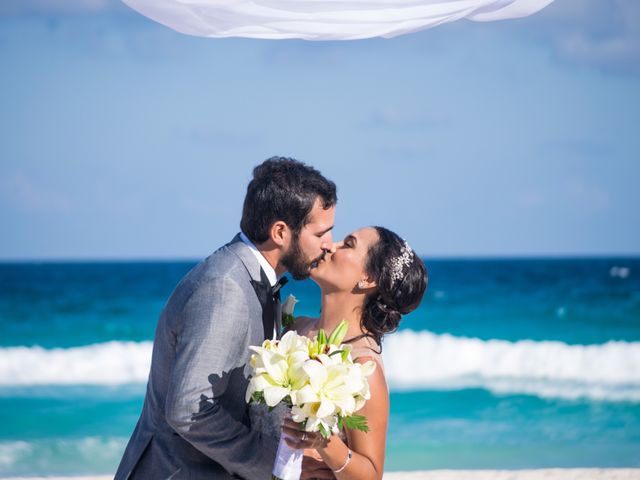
[{"x": 287, "y": 311}]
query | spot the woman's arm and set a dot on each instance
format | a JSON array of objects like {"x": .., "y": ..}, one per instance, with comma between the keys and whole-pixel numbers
[{"x": 367, "y": 460}]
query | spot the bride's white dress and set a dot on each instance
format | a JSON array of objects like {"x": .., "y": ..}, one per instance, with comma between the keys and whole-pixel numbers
[{"x": 323, "y": 19}]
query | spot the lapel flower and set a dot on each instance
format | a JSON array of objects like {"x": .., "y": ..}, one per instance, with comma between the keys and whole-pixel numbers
[{"x": 287, "y": 311}]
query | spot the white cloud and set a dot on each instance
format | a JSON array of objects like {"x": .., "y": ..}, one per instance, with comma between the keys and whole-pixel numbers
[
  {"x": 604, "y": 34},
  {"x": 23, "y": 193},
  {"x": 30, "y": 7},
  {"x": 589, "y": 196}
]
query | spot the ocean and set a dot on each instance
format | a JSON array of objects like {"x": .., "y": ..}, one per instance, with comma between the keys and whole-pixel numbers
[{"x": 508, "y": 363}]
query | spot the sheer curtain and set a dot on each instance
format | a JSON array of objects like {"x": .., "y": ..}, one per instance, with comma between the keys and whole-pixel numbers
[{"x": 323, "y": 19}]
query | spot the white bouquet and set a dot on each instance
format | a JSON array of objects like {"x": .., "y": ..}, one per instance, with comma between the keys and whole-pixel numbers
[{"x": 317, "y": 379}]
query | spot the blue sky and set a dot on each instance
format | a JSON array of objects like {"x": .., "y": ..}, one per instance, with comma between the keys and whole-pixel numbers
[{"x": 120, "y": 138}]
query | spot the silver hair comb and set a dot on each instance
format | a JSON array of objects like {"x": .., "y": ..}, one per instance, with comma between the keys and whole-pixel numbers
[{"x": 401, "y": 261}]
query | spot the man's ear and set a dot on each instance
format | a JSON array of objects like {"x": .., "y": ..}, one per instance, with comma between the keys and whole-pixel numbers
[{"x": 280, "y": 233}]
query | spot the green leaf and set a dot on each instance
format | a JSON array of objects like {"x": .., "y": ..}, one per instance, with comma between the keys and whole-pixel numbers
[
  {"x": 338, "y": 333},
  {"x": 288, "y": 320},
  {"x": 345, "y": 354},
  {"x": 258, "y": 397},
  {"x": 322, "y": 337},
  {"x": 323, "y": 431},
  {"x": 356, "y": 422}
]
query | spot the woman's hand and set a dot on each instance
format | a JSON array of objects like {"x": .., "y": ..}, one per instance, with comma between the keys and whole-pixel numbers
[
  {"x": 295, "y": 437},
  {"x": 314, "y": 468}
]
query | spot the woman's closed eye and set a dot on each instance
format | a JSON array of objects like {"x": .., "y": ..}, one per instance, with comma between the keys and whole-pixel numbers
[{"x": 349, "y": 241}]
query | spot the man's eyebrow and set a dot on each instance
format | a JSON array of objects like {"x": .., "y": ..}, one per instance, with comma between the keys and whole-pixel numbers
[{"x": 319, "y": 234}]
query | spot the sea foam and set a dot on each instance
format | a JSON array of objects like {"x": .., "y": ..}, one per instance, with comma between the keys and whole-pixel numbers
[
  {"x": 413, "y": 360},
  {"x": 109, "y": 363},
  {"x": 62, "y": 456},
  {"x": 424, "y": 360}
]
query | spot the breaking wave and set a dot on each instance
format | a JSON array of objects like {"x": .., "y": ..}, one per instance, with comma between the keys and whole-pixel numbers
[{"x": 413, "y": 360}]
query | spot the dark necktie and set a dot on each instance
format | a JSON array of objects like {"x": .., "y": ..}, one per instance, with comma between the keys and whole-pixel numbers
[
  {"x": 282, "y": 281},
  {"x": 269, "y": 298},
  {"x": 277, "y": 308}
]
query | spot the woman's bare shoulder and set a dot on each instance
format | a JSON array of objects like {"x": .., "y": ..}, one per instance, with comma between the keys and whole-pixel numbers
[{"x": 379, "y": 366}]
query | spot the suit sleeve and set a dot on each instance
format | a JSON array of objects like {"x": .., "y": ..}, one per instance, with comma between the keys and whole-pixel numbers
[{"x": 211, "y": 350}]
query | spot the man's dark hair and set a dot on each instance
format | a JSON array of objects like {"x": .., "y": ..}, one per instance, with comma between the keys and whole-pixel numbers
[{"x": 283, "y": 189}]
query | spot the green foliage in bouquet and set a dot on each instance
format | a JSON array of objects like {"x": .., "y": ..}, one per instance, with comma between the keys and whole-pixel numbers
[
  {"x": 354, "y": 422},
  {"x": 288, "y": 320},
  {"x": 322, "y": 344}
]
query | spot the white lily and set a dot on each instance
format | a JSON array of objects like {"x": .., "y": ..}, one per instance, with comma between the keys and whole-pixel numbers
[
  {"x": 328, "y": 381},
  {"x": 358, "y": 383},
  {"x": 278, "y": 368},
  {"x": 308, "y": 415},
  {"x": 317, "y": 378}
]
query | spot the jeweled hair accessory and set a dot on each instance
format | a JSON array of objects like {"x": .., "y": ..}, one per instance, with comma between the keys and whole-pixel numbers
[{"x": 401, "y": 261}]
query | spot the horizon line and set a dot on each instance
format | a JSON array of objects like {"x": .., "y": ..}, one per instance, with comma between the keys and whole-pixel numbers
[{"x": 436, "y": 257}]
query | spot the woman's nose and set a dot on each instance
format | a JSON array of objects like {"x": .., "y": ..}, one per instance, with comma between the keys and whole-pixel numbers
[{"x": 332, "y": 247}]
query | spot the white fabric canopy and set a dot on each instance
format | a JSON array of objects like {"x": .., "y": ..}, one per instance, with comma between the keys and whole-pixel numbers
[{"x": 323, "y": 19}]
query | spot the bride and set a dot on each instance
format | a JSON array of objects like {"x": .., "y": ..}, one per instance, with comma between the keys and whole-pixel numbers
[{"x": 370, "y": 279}]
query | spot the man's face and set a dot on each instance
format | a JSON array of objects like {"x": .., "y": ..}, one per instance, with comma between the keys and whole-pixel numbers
[{"x": 311, "y": 243}]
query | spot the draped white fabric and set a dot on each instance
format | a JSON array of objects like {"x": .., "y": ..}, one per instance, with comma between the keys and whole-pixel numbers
[{"x": 323, "y": 19}]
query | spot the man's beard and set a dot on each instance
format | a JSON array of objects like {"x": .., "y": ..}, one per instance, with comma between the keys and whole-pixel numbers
[{"x": 295, "y": 263}]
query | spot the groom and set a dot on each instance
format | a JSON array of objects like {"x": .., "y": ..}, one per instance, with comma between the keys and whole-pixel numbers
[{"x": 195, "y": 422}]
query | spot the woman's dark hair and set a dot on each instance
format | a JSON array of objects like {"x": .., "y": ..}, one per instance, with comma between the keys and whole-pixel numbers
[
  {"x": 401, "y": 279},
  {"x": 283, "y": 189}
]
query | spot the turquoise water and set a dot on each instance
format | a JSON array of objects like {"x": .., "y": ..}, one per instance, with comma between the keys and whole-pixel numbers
[{"x": 511, "y": 364}]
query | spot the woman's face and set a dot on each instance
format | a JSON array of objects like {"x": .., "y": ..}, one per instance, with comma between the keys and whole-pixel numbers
[{"x": 342, "y": 270}]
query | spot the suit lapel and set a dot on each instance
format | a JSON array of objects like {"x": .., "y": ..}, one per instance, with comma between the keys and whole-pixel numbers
[
  {"x": 263, "y": 291},
  {"x": 250, "y": 262},
  {"x": 260, "y": 284}
]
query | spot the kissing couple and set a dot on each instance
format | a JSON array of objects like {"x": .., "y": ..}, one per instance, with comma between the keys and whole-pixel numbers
[{"x": 195, "y": 422}]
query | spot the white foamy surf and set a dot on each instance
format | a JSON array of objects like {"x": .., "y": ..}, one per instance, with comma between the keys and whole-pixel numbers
[
  {"x": 413, "y": 360},
  {"x": 45, "y": 456},
  {"x": 424, "y": 360},
  {"x": 109, "y": 363}
]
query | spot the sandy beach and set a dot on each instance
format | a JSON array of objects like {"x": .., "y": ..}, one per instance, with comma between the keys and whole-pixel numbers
[
  {"x": 543, "y": 474},
  {"x": 546, "y": 474}
]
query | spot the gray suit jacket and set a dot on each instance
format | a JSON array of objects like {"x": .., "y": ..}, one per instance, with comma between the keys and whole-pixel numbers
[{"x": 195, "y": 423}]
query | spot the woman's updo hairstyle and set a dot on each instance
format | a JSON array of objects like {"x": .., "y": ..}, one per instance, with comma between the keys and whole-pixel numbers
[{"x": 401, "y": 279}]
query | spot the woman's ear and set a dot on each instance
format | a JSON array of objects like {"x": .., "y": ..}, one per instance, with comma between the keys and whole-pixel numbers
[{"x": 367, "y": 284}]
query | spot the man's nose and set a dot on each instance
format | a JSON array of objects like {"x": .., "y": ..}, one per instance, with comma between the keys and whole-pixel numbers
[{"x": 328, "y": 246}]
